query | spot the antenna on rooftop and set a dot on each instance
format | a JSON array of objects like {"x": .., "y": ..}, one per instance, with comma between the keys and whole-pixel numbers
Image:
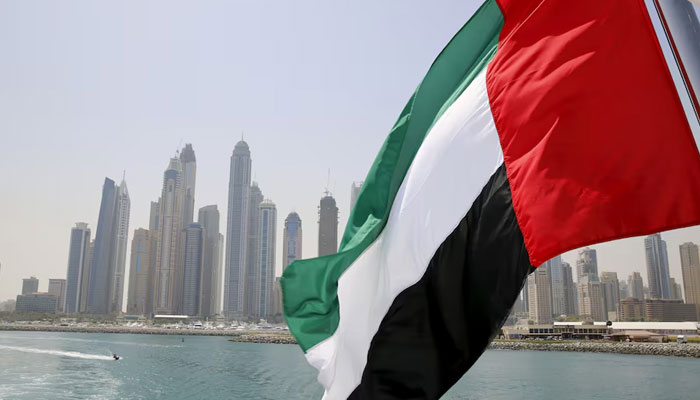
[{"x": 328, "y": 182}]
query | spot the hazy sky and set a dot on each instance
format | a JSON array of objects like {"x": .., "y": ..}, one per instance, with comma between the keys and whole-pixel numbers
[{"x": 89, "y": 89}]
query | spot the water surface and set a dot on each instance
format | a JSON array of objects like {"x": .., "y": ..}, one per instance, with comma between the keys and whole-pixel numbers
[{"x": 42, "y": 365}]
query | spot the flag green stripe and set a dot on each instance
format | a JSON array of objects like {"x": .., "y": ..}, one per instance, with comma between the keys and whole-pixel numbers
[{"x": 309, "y": 287}]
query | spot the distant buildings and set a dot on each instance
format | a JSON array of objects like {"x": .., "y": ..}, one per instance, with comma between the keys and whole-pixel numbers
[
  {"x": 631, "y": 309},
  {"x": 327, "y": 226},
  {"x": 30, "y": 285},
  {"x": 266, "y": 277},
  {"x": 123, "y": 209},
  {"x": 292, "y": 240},
  {"x": 667, "y": 310},
  {"x": 354, "y": 192},
  {"x": 57, "y": 287},
  {"x": 77, "y": 265},
  {"x": 676, "y": 290},
  {"x": 210, "y": 297},
  {"x": 194, "y": 261},
  {"x": 252, "y": 282},
  {"x": 540, "y": 296},
  {"x": 636, "y": 286},
  {"x": 571, "y": 295},
  {"x": 105, "y": 287},
  {"x": 587, "y": 264},
  {"x": 690, "y": 268},
  {"x": 167, "y": 294},
  {"x": 140, "y": 273},
  {"x": 591, "y": 299},
  {"x": 37, "y": 303},
  {"x": 657, "y": 267},
  {"x": 611, "y": 294},
  {"x": 236, "y": 230}
]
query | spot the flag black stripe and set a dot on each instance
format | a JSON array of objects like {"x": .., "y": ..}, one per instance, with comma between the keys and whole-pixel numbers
[{"x": 436, "y": 329}]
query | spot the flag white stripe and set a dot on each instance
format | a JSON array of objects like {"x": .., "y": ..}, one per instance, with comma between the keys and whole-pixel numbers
[{"x": 457, "y": 158}]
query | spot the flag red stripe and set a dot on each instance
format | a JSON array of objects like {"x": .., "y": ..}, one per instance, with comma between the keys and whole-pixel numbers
[{"x": 593, "y": 132}]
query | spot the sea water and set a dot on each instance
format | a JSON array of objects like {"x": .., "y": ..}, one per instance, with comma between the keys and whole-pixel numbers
[{"x": 40, "y": 365}]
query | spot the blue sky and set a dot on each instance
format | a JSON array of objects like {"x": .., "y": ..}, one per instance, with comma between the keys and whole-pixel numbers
[{"x": 90, "y": 88}]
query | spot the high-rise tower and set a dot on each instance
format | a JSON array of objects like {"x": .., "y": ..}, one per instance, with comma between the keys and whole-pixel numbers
[
  {"x": 252, "y": 285},
  {"x": 636, "y": 286},
  {"x": 121, "y": 237},
  {"x": 327, "y": 226},
  {"x": 354, "y": 192},
  {"x": 189, "y": 176},
  {"x": 103, "y": 266},
  {"x": 657, "y": 267},
  {"x": 210, "y": 295},
  {"x": 237, "y": 230},
  {"x": 558, "y": 286},
  {"x": 540, "y": 295},
  {"x": 167, "y": 292},
  {"x": 690, "y": 268},
  {"x": 266, "y": 277},
  {"x": 140, "y": 273},
  {"x": 30, "y": 285},
  {"x": 587, "y": 264},
  {"x": 192, "y": 277},
  {"x": 291, "y": 247},
  {"x": 611, "y": 293},
  {"x": 77, "y": 255}
]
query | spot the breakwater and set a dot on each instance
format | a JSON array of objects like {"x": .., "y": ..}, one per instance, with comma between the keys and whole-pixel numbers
[{"x": 651, "y": 349}]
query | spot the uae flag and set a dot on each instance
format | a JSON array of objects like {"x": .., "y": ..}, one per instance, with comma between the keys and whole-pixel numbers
[{"x": 543, "y": 126}]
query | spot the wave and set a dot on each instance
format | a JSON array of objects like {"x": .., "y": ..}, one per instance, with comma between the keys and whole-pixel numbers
[{"x": 72, "y": 354}]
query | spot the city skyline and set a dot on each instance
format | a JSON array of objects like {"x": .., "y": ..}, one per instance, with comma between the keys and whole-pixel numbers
[{"x": 91, "y": 98}]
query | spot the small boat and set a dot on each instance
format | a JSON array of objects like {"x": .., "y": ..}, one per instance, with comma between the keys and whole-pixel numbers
[{"x": 115, "y": 357}]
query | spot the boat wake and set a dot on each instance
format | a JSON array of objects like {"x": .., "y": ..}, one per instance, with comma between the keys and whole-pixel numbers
[{"x": 72, "y": 354}]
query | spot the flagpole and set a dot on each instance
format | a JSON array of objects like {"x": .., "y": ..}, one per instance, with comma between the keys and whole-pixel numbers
[{"x": 683, "y": 33}]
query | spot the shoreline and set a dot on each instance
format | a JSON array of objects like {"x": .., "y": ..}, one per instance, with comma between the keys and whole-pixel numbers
[{"x": 687, "y": 350}]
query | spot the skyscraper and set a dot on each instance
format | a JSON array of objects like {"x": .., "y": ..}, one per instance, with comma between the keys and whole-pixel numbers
[
  {"x": 30, "y": 285},
  {"x": 327, "y": 226},
  {"x": 85, "y": 279},
  {"x": 168, "y": 286},
  {"x": 676, "y": 290},
  {"x": 657, "y": 267},
  {"x": 210, "y": 295},
  {"x": 252, "y": 283},
  {"x": 194, "y": 260},
  {"x": 237, "y": 230},
  {"x": 558, "y": 286},
  {"x": 636, "y": 286},
  {"x": 540, "y": 296},
  {"x": 121, "y": 237},
  {"x": 354, "y": 191},
  {"x": 154, "y": 233},
  {"x": 57, "y": 287},
  {"x": 571, "y": 295},
  {"x": 189, "y": 176},
  {"x": 591, "y": 299},
  {"x": 268, "y": 234},
  {"x": 611, "y": 293},
  {"x": 690, "y": 268},
  {"x": 77, "y": 257},
  {"x": 291, "y": 247},
  {"x": 587, "y": 264},
  {"x": 140, "y": 273},
  {"x": 104, "y": 258}
]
